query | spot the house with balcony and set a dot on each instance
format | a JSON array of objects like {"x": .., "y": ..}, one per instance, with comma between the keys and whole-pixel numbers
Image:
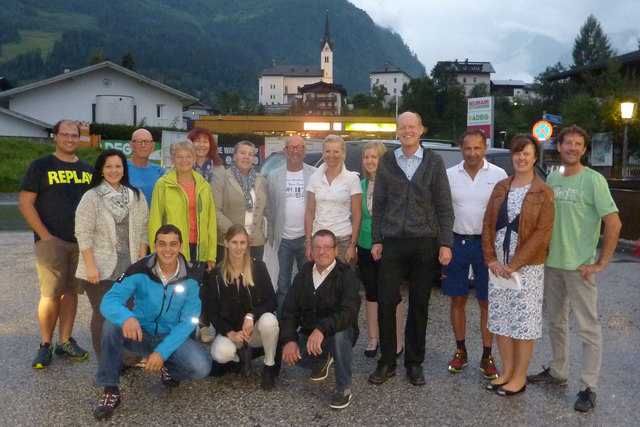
[
  {"x": 469, "y": 73},
  {"x": 322, "y": 99}
]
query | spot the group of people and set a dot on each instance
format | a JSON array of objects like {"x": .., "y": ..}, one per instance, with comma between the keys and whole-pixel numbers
[{"x": 409, "y": 219}]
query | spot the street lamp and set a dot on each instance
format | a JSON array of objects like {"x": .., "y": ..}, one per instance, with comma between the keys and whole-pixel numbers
[{"x": 626, "y": 110}]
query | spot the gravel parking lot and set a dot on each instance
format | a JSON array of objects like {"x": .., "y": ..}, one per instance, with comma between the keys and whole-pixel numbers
[{"x": 64, "y": 394}]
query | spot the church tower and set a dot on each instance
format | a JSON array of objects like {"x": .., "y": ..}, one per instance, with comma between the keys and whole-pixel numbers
[{"x": 326, "y": 53}]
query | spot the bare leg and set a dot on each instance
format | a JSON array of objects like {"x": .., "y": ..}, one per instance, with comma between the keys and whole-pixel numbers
[
  {"x": 487, "y": 337},
  {"x": 371, "y": 308},
  {"x": 67, "y": 315},
  {"x": 399, "y": 326},
  {"x": 507, "y": 354},
  {"x": 48, "y": 309},
  {"x": 522, "y": 353},
  {"x": 459, "y": 317}
]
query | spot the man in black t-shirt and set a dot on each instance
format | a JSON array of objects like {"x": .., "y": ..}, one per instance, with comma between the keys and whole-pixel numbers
[{"x": 49, "y": 194}]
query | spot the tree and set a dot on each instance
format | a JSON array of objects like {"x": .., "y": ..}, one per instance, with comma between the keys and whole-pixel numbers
[
  {"x": 379, "y": 95},
  {"x": 555, "y": 92},
  {"x": 479, "y": 90},
  {"x": 592, "y": 44},
  {"x": 127, "y": 60},
  {"x": 419, "y": 96},
  {"x": 96, "y": 57}
]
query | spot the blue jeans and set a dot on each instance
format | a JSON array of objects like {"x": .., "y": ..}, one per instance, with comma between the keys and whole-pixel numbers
[
  {"x": 289, "y": 250},
  {"x": 340, "y": 346},
  {"x": 189, "y": 362}
]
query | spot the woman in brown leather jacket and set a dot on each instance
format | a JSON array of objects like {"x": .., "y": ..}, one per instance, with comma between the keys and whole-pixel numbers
[{"x": 515, "y": 241}]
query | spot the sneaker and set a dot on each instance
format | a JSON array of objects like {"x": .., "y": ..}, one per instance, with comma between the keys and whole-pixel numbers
[
  {"x": 545, "y": 377},
  {"x": 205, "y": 334},
  {"x": 71, "y": 349},
  {"x": 167, "y": 379},
  {"x": 108, "y": 404},
  {"x": 586, "y": 401},
  {"x": 489, "y": 368},
  {"x": 458, "y": 362},
  {"x": 339, "y": 400},
  {"x": 43, "y": 358},
  {"x": 322, "y": 373}
]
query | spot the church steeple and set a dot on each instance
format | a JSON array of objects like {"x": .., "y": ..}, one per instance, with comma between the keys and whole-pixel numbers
[
  {"x": 326, "y": 53},
  {"x": 327, "y": 36}
]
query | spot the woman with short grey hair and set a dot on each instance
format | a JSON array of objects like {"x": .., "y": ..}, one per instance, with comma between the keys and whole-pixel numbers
[{"x": 242, "y": 199}]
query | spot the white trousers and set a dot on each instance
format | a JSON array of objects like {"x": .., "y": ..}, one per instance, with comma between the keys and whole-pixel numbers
[{"x": 265, "y": 334}]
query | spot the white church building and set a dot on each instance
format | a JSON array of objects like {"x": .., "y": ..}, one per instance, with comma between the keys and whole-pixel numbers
[{"x": 279, "y": 86}]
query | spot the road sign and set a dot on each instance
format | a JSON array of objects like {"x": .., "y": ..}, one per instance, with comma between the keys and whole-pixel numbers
[
  {"x": 552, "y": 118},
  {"x": 542, "y": 130}
]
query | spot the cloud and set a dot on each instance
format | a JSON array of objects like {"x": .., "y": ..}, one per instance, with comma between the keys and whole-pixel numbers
[{"x": 519, "y": 37}]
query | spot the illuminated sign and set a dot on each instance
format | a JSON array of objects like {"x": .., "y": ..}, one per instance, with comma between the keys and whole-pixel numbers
[
  {"x": 317, "y": 126},
  {"x": 337, "y": 126},
  {"x": 370, "y": 127}
]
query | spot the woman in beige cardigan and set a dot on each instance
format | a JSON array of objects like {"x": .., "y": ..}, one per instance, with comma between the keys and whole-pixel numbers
[
  {"x": 111, "y": 228},
  {"x": 242, "y": 199}
]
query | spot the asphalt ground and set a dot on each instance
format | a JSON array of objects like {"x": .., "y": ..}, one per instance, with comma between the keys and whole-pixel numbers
[{"x": 64, "y": 394}]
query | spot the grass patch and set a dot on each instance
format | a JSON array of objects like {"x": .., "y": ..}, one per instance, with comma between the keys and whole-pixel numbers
[
  {"x": 17, "y": 155},
  {"x": 31, "y": 40}
]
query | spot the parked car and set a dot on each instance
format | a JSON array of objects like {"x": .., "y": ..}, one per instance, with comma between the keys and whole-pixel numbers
[{"x": 450, "y": 155}]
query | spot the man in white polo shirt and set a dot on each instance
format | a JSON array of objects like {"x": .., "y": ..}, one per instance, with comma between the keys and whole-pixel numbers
[{"x": 471, "y": 183}]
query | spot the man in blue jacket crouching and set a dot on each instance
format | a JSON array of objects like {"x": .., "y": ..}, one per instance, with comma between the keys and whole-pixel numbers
[{"x": 165, "y": 312}]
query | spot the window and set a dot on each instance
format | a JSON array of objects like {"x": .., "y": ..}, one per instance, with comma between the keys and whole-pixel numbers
[
  {"x": 377, "y": 81},
  {"x": 474, "y": 79},
  {"x": 395, "y": 90},
  {"x": 326, "y": 59},
  {"x": 286, "y": 89},
  {"x": 93, "y": 113},
  {"x": 159, "y": 110},
  {"x": 395, "y": 80},
  {"x": 464, "y": 80}
]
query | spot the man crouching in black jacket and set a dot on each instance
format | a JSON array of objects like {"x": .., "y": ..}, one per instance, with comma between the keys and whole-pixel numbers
[{"x": 319, "y": 323}]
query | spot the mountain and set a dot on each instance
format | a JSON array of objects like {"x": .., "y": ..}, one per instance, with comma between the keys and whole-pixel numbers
[{"x": 201, "y": 47}]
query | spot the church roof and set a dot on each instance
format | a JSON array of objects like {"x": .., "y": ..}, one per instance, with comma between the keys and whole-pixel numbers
[{"x": 294, "y": 71}]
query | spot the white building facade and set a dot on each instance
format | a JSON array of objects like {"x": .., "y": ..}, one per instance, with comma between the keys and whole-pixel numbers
[
  {"x": 390, "y": 77},
  {"x": 101, "y": 93}
]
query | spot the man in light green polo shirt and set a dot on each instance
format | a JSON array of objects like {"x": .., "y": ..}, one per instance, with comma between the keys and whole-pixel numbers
[{"x": 582, "y": 201}]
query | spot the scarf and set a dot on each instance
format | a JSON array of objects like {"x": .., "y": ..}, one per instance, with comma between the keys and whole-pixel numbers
[
  {"x": 511, "y": 226},
  {"x": 116, "y": 201},
  {"x": 206, "y": 170},
  {"x": 246, "y": 183}
]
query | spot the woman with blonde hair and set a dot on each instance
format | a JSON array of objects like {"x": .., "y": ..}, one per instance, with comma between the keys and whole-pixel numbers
[
  {"x": 371, "y": 154},
  {"x": 334, "y": 201},
  {"x": 240, "y": 301}
]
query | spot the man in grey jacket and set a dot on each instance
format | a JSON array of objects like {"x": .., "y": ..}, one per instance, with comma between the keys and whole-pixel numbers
[
  {"x": 287, "y": 198},
  {"x": 413, "y": 219}
]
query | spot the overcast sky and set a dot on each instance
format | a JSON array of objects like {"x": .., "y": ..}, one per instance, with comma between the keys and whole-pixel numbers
[{"x": 520, "y": 38}]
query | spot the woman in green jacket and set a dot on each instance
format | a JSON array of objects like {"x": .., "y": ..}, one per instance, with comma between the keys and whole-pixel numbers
[{"x": 183, "y": 198}]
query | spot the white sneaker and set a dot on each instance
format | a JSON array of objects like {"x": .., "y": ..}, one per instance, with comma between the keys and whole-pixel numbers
[{"x": 205, "y": 334}]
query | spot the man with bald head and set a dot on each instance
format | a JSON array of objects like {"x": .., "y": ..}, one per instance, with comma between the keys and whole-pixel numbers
[
  {"x": 142, "y": 173},
  {"x": 286, "y": 187},
  {"x": 412, "y": 230}
]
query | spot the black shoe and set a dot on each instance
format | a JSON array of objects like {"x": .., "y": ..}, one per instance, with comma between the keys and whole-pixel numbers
[
  {"x": 268, "y": 378},
  {"x": 339, "y": 400},
  {"x": 244, "y": 354},
  {"x": 382, "y": 373},
  {"x": 415, "y": 375},
  {"x": 503, "y": 392},
  {"x": 493, "y": 387},
  {"x": 323, "y": 372},
  {"x": 545, "y": 377},
  {"x": 586, "y": 401},
  {"x": 372, "y": 352},
  {"x": 167, "y": 379},
  {"x": 44, "y": 356},
  {"x": 108, "y": 404}
]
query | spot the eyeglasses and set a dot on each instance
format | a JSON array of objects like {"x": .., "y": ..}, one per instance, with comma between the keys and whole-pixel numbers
[
  {"x": 322, "y": 248},
  {"x": 295, "y": 147},
  {"x": 184, "y": 156},
  {"x": 142, "y": 141},
  {"x": 69, "y": 135}
]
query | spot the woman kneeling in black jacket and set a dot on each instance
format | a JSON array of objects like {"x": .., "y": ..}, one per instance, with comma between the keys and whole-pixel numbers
[{"x": 240, "y": 301}]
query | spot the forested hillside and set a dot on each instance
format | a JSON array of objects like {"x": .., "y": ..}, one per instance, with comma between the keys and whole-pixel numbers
[{"x": 203, "y": 47}]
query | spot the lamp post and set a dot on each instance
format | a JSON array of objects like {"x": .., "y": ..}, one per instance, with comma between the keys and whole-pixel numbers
[{"x": 626, "y": 110}]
